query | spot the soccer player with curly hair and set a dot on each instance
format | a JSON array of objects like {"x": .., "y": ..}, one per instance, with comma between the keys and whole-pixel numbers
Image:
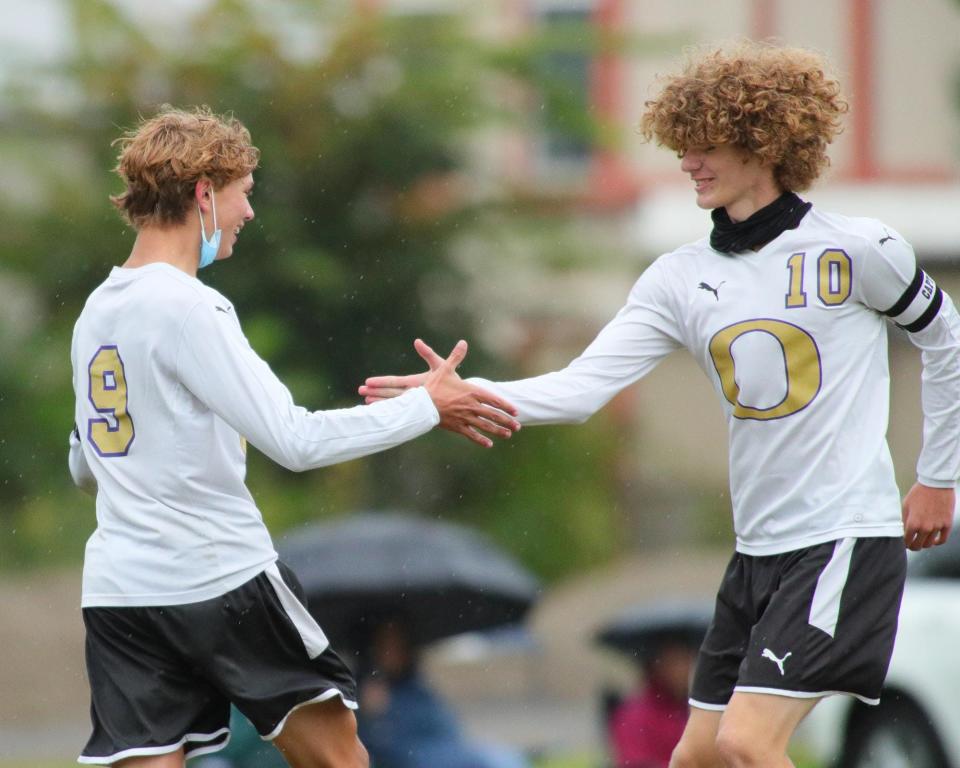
[
  {"x": 185, "y": 605},
  {"x": 785, "y": 308}
]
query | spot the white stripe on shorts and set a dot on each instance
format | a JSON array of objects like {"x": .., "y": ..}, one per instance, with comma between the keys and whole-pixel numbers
[
  {"x": 825, "y": 606},
  {"x": 803, "y": 694},
  {"x": 313, "y": 638},
  {"x": 197, "y": 746},
  {"x": 708, "y": 707}
]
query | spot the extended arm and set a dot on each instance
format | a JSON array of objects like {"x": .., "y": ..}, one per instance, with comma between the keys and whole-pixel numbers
[
  {"x": 641, "y": 334},
  {"x": 217, "y": 365}
]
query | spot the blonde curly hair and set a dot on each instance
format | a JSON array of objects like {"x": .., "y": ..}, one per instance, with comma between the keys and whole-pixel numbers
[
  {"x": 780, "y": 104},
  {"x": 163, "y": 158}
]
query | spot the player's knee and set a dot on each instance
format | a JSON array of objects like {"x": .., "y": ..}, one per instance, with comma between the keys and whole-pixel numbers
[
  {"x": 686, "y": 755},
  {"x": 737, "y": 750},
  {"x": 361, "y": 758},
  {"x": 682, "y": 757},
  {"x": 346, "y": 756},
  {"x": 352, "y": 755}
]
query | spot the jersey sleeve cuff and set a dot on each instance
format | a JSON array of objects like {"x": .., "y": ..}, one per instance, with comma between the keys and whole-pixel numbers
[
  {"x": 427, "y": 402},
  {"x": 932, "y": 482}
]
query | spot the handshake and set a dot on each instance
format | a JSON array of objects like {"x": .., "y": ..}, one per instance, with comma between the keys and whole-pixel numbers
[{"x": 464, "y": 408}]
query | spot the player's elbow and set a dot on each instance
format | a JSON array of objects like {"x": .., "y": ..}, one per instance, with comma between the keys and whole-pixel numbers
[
  {"x": 82, "y": 477},
  {"x": 301, "y": 466},
  {"x": 297, "y": 456},
  {"x": 80, "y": 471},
  {"x": 292, "y": 459},
  {"x": 581, "y": 417},
  {"x": 565, "y": 416}
]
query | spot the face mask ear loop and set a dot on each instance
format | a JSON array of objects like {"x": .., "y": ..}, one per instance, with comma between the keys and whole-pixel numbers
[
  {"x": 203, "y": 227},
  {"x": 213, "y": 204},
  {"x": 208, "y": 247}
]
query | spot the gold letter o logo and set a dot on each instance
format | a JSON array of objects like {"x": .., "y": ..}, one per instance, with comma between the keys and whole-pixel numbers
[{"x": 801, "y": 364}]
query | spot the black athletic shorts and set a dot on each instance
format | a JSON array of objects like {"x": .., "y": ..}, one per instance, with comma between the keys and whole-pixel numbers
[
  {"x": 806, "y": 623},
  {"x": 164, "y": 677}
]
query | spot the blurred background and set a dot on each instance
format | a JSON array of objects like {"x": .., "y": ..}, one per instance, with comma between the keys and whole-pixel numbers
[{"x": 439, "y": 169}]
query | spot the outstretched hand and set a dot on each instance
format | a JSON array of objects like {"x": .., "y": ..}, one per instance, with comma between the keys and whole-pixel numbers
[
  {"x": 384, "y": 387},
  {"x": 464, "y": 408}
]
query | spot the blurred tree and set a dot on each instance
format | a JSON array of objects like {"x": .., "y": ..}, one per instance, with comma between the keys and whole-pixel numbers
[{"x": 361, "y": 121}]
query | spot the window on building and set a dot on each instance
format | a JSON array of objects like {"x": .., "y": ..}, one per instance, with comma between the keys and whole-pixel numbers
[{"x": 568, "y": 35}]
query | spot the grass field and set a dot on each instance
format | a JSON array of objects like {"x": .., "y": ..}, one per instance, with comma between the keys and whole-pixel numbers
[{"x": 35, "y": 764}]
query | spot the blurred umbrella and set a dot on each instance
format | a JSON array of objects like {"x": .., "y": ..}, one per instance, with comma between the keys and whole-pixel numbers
[
  {"x": 643, "y": 629},
  {"x": 444, "y": 579}
]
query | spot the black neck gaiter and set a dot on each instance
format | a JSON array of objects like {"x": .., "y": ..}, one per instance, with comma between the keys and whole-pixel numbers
[{"x": 760, "y": 228}]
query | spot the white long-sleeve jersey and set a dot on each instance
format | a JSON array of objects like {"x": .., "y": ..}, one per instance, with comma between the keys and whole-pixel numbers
[
  {"x": 793, "y": 338},
  {"x": 167, "y": 392}
]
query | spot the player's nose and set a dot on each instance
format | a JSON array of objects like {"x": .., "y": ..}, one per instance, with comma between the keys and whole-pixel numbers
[{"x": 692, "y": 159}]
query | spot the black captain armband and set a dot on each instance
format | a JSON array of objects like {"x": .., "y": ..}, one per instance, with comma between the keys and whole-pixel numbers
[{"x": 919, "y": 304}]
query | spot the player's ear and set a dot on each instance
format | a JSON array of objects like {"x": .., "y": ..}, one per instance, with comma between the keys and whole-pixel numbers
[{"x": 201, "y": 191}]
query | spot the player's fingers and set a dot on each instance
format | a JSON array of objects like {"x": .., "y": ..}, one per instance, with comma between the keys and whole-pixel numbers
[
  {"x": 372, "y": 382},
  {"x": 385, "y": 382},
  {"x": 919, "y": 539},
  {"x": 381, "y": 392},
  {"x": 911, "y": 532},
  {"x": 499, "y": 418},
  {"x": 488, "y": 398},
  {"x": 474, "y": 436},
  {"x": 504, "y": 433},
  {"x": 488, "y": 427},
  {"x": 933, "y": 538}
]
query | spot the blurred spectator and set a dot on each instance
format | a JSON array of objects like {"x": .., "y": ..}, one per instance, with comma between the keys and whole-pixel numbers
[
  {"x": 402, "y": 722},
  {"x": 646, "y": 725}
]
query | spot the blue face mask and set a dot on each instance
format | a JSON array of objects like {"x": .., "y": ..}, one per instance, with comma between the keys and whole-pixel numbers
[{"x": 209, "y": 248}]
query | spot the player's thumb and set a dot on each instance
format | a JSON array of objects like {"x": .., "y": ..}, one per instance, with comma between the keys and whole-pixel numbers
[{"x": 431, "y": 358}]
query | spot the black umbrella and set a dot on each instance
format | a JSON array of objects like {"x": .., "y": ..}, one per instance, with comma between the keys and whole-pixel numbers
[
  {"x": 643, "y": 629},
  {"x": 443, "y": 579}
]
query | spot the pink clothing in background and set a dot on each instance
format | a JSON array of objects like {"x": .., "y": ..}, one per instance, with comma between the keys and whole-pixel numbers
[{"x": 646, "y": 727}]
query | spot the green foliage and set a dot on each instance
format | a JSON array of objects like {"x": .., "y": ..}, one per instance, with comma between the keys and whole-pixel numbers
[
  {"x": 569, "y": 761},
  {"x": 359, "y": 202}
]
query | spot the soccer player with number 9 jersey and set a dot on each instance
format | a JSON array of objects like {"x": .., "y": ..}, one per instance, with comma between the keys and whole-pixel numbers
[
  {"x": 185, "y": 605},
  {"x": 785, "y": 308}
]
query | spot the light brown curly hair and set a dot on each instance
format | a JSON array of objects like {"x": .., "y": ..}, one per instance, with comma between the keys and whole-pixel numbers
[
  {"x": 780, "y": 104},
  {"x": 163, "y": 158}
]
